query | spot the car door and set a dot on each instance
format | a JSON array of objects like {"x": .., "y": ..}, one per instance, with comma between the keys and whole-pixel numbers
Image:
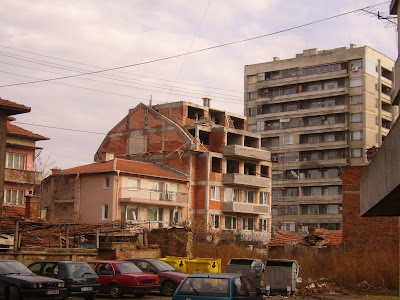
[
  {"x": 36, "y": 268},
  {"x": 105, "y": 272},
  {"x": 244, "y": 289}
]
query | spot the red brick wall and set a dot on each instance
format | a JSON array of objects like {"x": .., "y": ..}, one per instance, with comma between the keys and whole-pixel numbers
[
  {"x": 217, "y": 141},
  {"x": 198, "y": 196},
  {"x": 364, "y": 233}
]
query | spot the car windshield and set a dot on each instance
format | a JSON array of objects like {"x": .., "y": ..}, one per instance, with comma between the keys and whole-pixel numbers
[
  {"x": 79, "y": 269},
  {"x": 215, "y": 287},
  {"x": 163, "y": 266},
  {"x": 13, "y": 267},
  {"x": 125, "y": 268}
]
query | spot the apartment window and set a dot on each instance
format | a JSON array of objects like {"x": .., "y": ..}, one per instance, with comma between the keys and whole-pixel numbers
[
  {"x": 355, "y": 82},
  {"x": 314, "y": 121},
  {"x": 14, "y": 197},
  {"x": 154, "y": 214},
  {"x": 214, "y": 221},
  {"x": 313, "y": 139},
  {"x": 314, "y": 174},
  {"x": 133, "y": 184},
  {"x": 264, "y": 197},
  {"x": 356, "y": 99},
  {"x": 253, "y": 96},
  {"x": 313, "y": 210},
  {"x": 129, "y": 212},
  {"x": 216, "y": 165},
  {"x": 252, "y": 111},
  {"x": 332, "y": 209},
  {"x": 252, "y": 79},
  {"x": 106, "y": 182},
  {"x": 216, "y": 193},
  {"x": 156, "y": 186},
  {"x": 356, "y": 64},
  {"x": 316, "y": 191},
  {"x": 330, "y": 137},
  {"x": 331, "y": 173},
  {"x": 288, "y": 139},
  {"x": 230, "y": 222},
  {"x": 174, "y": 216},
  {"x": 331, "y": 85},
  {"x": 377, "y": 137},
  {"x": 260, "y": 125},
  {"x": 260, "y": 76},
  {"x": 356, "y": 135},
  {"x": 248, "y": 196},
  {"x": 15, "y": 161},
  {"x": 252, "y": 128},
  {"x": 331, "y": 190},
  {"x": 105, "y": 212},
  {"x": 248, "y": 223},
  {"x": 173, "y": 188},
  {"x": 355, "y": 118},
  {"x": 314, "y": 87},
  {"x": 356, "y": 153},
  {"x": 292, "y": 210},
  {"x": 263, "y": 225},
  {"x": 231, "y": 194},
  {"x": 291, "y": 192}
]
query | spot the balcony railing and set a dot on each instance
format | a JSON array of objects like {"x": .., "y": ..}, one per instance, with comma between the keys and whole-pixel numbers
[
  {"x": 246, "y": 180},
  {"x": 141, "y": 195},
  {"x": 245, "y": 208},
  {"x": 23, "y": 176}
]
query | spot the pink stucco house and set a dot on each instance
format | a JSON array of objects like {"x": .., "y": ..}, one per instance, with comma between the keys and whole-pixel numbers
[{"x": 117, "y": 189}]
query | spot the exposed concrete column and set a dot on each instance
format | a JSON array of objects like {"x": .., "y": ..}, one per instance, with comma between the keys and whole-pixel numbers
[
  {"x": 3, "y": 137},
  {"x": 207, "y": 195}
]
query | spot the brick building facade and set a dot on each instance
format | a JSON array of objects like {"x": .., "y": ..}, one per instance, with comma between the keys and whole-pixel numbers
[{"x": 230, "y": 175}]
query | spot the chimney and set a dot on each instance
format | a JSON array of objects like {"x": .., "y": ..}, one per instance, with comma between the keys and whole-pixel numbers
[
  {"x": 106, "y": 156},
  {"x": 353, "y": 46},
  {"x": 32, "y": 207},
  {"x": 206, "y": 102},
  {"x": 276, "y": 58}
]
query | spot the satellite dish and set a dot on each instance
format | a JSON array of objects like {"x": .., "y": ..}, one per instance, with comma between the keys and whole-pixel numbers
[{"x": 257, "y": 267}]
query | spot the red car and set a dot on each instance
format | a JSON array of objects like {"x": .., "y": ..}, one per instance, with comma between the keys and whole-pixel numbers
[{"x": 121, "y": 277}]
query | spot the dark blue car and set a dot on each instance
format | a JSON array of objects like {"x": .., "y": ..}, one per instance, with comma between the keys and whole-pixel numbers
[{"x": 218, "y": 286}]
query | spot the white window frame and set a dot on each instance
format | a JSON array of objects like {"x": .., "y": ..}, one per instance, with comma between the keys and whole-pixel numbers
[
  {"x": 174, "y": 216},
  {"x": 107, "y": 182},
  {"x": 233, "y": 223},
  {"x": 215, "y": 222},
  {"x": 245, "y": 222},
  {"x": 356, "y": 135},
  {"x": 216, "y": 193},
  {"x": 15, "y": 161},
  {"x": 134, "y": 217},
  {"x": 356, "y": 153},
  {"x": 264, "y": 197},
  {"x": 245, "y": 196},
  {"x": 356, "y": 118},
  {"x": 355, "y": 99},
  {"x": 263, "y": 224},
  {"x": 133, "y": 184},
  {"x": 159, "y": 214},
  {"x": 288, "y": 139},
  {"x": 14, "y": 197}
]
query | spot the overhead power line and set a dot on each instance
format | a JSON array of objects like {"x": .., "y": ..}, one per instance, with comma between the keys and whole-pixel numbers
[{"x": 197, "y": 51}]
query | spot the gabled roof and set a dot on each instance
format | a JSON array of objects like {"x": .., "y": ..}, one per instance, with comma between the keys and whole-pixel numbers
[
  {"x": 16, "y": 130},
  {"x": 125, "y": 166},
  {"x": 13, "y": 108}
]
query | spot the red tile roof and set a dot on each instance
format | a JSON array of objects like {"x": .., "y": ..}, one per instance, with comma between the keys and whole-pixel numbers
[
  {"x": 13, "y": 108},
  {"x": 322, "y": 237},
  {"x": 125, "y": 166},
  {"x": 16, "y": 130}
]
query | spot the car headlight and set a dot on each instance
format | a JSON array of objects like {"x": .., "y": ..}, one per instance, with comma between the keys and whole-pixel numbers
[
  {"x": 35, "y": 285},
  {"x": 61, "y": 284}
]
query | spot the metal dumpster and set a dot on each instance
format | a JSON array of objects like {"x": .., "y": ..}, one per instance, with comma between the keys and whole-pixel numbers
[
  {"x": 252, "y": 268},
  {"x": 281, "y": 275},
  {"x": 177, "y": 262},
  {"x": 204, "y": 265}
]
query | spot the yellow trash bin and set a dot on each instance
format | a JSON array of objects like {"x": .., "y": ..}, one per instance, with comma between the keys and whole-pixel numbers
[
  {"x": 177, "y": 262},
  {"x": 204, "y": 265}
]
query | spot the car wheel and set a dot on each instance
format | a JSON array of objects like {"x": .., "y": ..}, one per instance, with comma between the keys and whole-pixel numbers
[
  {"x": 168, "y": 288},
  {"x": 13, "y": 293},
  {"x": 89, "y": 296},
  {"x": 115, "y": 291}
]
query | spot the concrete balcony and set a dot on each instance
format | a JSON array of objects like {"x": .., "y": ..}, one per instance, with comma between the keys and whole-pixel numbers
[
  {"x": 308, "y": 147},
  {"x": 23, "y": 176},
  {"x": 387, "y": 115},
  {"x": 150, "y": 197},
  {"x": 306, "y": 182},
  {"x": 322, "y": 218},
  {"x": 304, "y": 112},
  {"x": 303, "y": 96},
  {"x": 338, "y": 162},
  {"x": 247, "y": 153},
  {"x": 385, "y": 98},
  {"x": 245, "y": 208},
  {"x": 246, "y": 180},
  {"x": 300, "y": 79},
  {"x": 329, "y": 199},
  {"x": 305, "y": 129}
]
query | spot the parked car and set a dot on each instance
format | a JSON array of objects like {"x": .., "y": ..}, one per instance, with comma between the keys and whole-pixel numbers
[
  {"x": 218, "y": 286},
  {"x": 169, "y": 276},
  {"x": 17, "y": 282},
  {"x": 80, "y": 279},
  {"x": 121, "y": 277}
]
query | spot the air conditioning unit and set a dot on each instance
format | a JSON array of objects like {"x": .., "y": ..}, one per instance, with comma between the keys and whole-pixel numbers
[
  {"x": 171, "y": 196},
  {"x": 355, "y": 68}
]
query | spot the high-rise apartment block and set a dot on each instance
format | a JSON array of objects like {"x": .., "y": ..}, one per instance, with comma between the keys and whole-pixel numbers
[{"x": 316, "y": 113}]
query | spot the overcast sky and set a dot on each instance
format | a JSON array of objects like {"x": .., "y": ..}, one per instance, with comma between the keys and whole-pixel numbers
[{"x": 48, "y": 39}]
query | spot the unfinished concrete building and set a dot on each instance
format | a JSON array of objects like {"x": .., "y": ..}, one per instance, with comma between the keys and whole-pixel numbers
[
  {"x": 229, "y": 173},
  {"x": 316, "y": 113}
]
